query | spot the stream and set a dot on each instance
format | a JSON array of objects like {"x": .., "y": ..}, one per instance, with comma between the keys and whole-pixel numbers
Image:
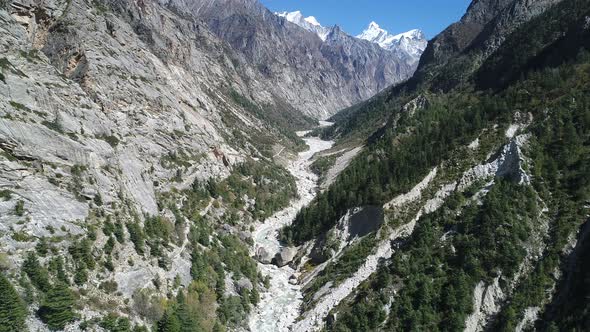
[{"x": 279, "y": 305}]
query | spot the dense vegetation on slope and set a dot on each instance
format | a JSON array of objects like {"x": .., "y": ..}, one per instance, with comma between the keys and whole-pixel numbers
[
  {"x": 547, "y": 40},
  {"x": 541, "y": 80},
  {"x": 560, "y": 160},
  {"x": 438, "y": 277},
  {"x": 409, "y": 146},
  {"x": 443, "y": 279},
  {"x": 399, "y": 159},
  {"x": 271, "y": 188}
]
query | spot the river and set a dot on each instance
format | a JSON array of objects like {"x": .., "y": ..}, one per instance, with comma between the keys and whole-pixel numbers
[{"x": 279, "y": 305}]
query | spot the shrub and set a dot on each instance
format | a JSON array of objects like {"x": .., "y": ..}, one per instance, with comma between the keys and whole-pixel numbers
[
  {"x": 147, "y": 305},
  {"x": 110, "y": 286},
  {"x": 19, "y": 208},
  {"x": 42, "y": 247}
]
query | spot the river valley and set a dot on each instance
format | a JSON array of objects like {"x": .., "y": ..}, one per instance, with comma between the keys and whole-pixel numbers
[{"x": 279, "y": 305}]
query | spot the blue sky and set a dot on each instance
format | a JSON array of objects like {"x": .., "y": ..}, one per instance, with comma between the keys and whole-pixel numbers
[{"x": 395, "y": 16}]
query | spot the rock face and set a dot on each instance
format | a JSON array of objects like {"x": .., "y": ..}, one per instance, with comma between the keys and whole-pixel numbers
[
  {"x": 486, "y": 303},
  {"x": 456, "y": 52},
  {"x": 104, "y": 108},
  {"x": 285, "y": 256},
  {"x": 318, "y": 78}
]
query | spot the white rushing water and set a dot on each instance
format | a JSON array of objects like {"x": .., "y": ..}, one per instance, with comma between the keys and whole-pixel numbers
[{"x": 279, "y": 305}]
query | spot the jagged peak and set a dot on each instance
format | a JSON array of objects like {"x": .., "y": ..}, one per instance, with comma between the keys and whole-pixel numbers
[
  {"x": 309, "y": 23},
  {"x": 413, "y": 42},
  {"x": 374, "y": 25}
]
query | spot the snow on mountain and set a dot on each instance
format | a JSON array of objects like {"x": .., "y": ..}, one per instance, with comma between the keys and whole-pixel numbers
[
  {"x": 412, "y": 42},
  {"x": 309, "y": 23}
]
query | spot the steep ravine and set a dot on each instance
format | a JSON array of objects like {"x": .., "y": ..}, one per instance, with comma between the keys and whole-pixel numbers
[{"x": 279, "y": 305}]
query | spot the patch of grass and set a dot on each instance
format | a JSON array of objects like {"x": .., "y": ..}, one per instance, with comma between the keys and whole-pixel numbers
[
  {"x": 8, "y": 155},
  {"x": 31, "y": 55},
  {"x": 7, "y": 65},
  {"x": 176, "y": 159}
]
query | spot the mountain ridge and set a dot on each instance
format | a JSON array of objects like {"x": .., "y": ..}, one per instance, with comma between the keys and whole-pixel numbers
[
  {"x": 413, "y": 42},
  {"x": 326, "y": 80}
]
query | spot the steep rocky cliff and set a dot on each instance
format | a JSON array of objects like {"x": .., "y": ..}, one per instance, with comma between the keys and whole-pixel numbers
[
  {"x": 317, "y": 78},
  {"x": 453, "y": 55}
]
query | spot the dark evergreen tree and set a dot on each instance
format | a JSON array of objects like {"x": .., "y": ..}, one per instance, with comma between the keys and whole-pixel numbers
[
  {"x": 42, "y": 247},
  {"x": 169, "y": 322},
  {"x": 57, "y": 307},
  {"x": 38, "y": 275},
  {"x": 12, "y": 309}
]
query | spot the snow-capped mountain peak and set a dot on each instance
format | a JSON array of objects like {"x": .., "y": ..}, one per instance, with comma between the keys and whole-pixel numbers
[
  {"x": 412, "y": 34},
  {"x": 308, "y": 23},
  {"x": 312, "y": 20},
  {"x": 373, "y": 33},
  {"x": 412, "y": 42}
]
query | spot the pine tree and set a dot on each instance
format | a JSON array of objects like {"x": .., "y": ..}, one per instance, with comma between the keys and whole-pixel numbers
[
  {"x": 186, "y": 320},
  {"x": 12, "y": 309},
  {"x": 36, "y": 272},
  {"x": 169, "y": 322},
  {"x": 42, "y": 247},
  {"x": 81, "y": 274},
  {"x": 57, "y": 307},
  {"x": 60, "y": 270}
]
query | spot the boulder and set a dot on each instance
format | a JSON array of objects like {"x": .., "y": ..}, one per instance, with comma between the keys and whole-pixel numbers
[
  {"x": 293, "y": 279},
  {"x": 244, "y": 283},
  {"x": 285, "y": 257},
  {"x": 263, "y": 256}
]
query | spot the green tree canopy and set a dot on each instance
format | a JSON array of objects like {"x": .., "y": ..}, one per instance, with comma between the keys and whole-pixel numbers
[
  {"x": 57, "y": 307},
  {"x": 12, "y": 309}
]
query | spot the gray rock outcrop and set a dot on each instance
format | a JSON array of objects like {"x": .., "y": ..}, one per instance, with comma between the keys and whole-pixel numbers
[
  {"x": 263, "y": 256},
  {"x": 285, "y": 256}
]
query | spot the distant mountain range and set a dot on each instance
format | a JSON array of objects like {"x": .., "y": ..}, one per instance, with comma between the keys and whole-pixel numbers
[{"x": 410, "y": 44}]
